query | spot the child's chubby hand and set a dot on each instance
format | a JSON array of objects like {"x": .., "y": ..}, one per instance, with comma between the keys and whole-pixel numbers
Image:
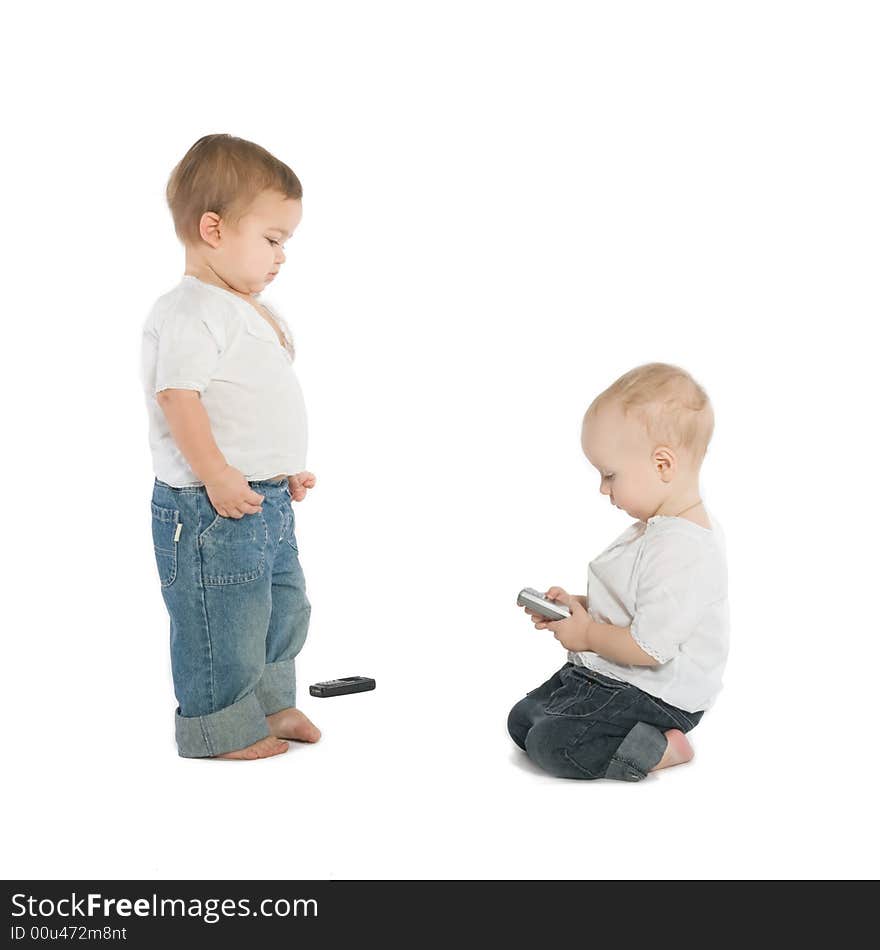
[
  {"x": 299, "y": 484},
  {"x": 554, "y": 593},
  {"x": 573, "y": 632},
  {"x": 231, "y": 495}
]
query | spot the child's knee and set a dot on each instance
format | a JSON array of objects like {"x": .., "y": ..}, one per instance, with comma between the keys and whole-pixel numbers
[
  {"x": 550, "y": 745},
  {"x": 519, "y": 722}
]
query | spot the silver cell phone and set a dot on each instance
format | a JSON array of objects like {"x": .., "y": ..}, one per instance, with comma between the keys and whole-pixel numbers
[{"x": 535, "y": 600}]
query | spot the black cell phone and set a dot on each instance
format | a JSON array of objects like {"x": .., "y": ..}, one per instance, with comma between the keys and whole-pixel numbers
[{"x": 347, "y": 684}]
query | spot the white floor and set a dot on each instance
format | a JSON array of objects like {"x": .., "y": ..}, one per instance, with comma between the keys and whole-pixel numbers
[{"x": 406, "y": 784}]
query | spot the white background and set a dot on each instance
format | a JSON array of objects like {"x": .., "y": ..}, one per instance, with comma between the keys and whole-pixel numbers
[{"x": 507, "y": 205}]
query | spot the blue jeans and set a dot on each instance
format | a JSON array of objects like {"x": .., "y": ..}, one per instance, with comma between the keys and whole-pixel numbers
[
  {"x": 583, "y": 724},
  {"x": 235, "y": 593}
]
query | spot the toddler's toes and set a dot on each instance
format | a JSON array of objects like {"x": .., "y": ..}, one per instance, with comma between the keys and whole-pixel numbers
[
  {"x": 293, "y": 724},
  {"x": 261, "y": 749}
]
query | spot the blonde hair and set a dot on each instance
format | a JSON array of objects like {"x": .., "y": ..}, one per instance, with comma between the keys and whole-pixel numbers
[
  {"x": 223, "y": 174},
  {"x": 671, "y": 405}
]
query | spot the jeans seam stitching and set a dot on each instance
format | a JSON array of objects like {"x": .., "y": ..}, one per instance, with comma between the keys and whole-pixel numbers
[
  {"x": 172, "y": 552},
  {"x": 669, "y": 713},
  {"x": 625, "y": 761},
  {"x": 591, "y": 713},
  {"x": 208, "y": 745},
  {"x": 577, "y": 765},
  {"x": 205, "y": 615}
]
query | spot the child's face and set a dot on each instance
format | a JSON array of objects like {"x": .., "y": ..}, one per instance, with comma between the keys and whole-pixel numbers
[
  {"x": 253, "y": 251},
  {"x": 634, "y": 473}
]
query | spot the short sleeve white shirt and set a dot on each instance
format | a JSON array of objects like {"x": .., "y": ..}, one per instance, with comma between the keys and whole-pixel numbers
[
  {"x": 665, "y": 579},
  {"x": 201, "y": 337}
]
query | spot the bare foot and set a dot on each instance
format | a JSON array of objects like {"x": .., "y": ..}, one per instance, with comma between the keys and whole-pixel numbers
[
  {"x": 290, "y": 723},
  {"x": 261, "y": 749},
  {"x": 678, "y": 750}
]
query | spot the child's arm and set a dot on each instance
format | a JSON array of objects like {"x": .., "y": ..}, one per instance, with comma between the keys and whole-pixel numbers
[
  {"x": 617, "y": 644},
  {"x": 191, "y": 431},
  {"x": 580, "y": 633},
  {"x": 227, "y": 488}
]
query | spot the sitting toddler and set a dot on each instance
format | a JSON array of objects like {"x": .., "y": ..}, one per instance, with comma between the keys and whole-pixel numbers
[{"x": 648, "y": 643}]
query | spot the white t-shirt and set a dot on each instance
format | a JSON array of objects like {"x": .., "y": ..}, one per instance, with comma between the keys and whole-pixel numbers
[
  {"x": 202, "y": 337},
  {"x": 665, "y": 579}
]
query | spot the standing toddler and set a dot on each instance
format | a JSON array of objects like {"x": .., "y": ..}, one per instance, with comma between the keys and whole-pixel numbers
[{"x": 227, "y": 431}]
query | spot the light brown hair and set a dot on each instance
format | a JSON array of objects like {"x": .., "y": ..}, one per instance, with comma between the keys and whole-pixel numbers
[
  {"x": 671, "y": 405},
  {"x": 223, "y": 174}
]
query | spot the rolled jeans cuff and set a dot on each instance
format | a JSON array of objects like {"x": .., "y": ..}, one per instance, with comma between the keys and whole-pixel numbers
[
  {"x": 642, "y": 748},
  {"x": 277, "y": 687},
  {"x": 234, "y": 727}
]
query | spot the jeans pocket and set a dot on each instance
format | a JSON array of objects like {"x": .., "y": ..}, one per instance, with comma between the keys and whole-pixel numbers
[
  {"x": 233, "y": 550},
  {"x": 165, "y": 539},
  {"x": 584, "y": 694},
  {"x": 571, "y": 695}
]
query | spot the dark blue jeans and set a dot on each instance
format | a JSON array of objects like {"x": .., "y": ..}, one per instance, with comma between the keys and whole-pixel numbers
[{"x": 582, "y": 724}]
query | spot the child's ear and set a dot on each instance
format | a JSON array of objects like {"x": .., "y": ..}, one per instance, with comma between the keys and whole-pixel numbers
[
  {"x": 209, "y": 228},
  {"x": 665, "y": 462}
]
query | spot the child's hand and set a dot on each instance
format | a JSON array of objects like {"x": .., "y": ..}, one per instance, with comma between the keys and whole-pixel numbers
[
  {"x": 299, "y": 485},
  {"x": 231, "y": 495},
  {"x": 573, "y": 632},
  {"x": 555, "y": 593}
]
